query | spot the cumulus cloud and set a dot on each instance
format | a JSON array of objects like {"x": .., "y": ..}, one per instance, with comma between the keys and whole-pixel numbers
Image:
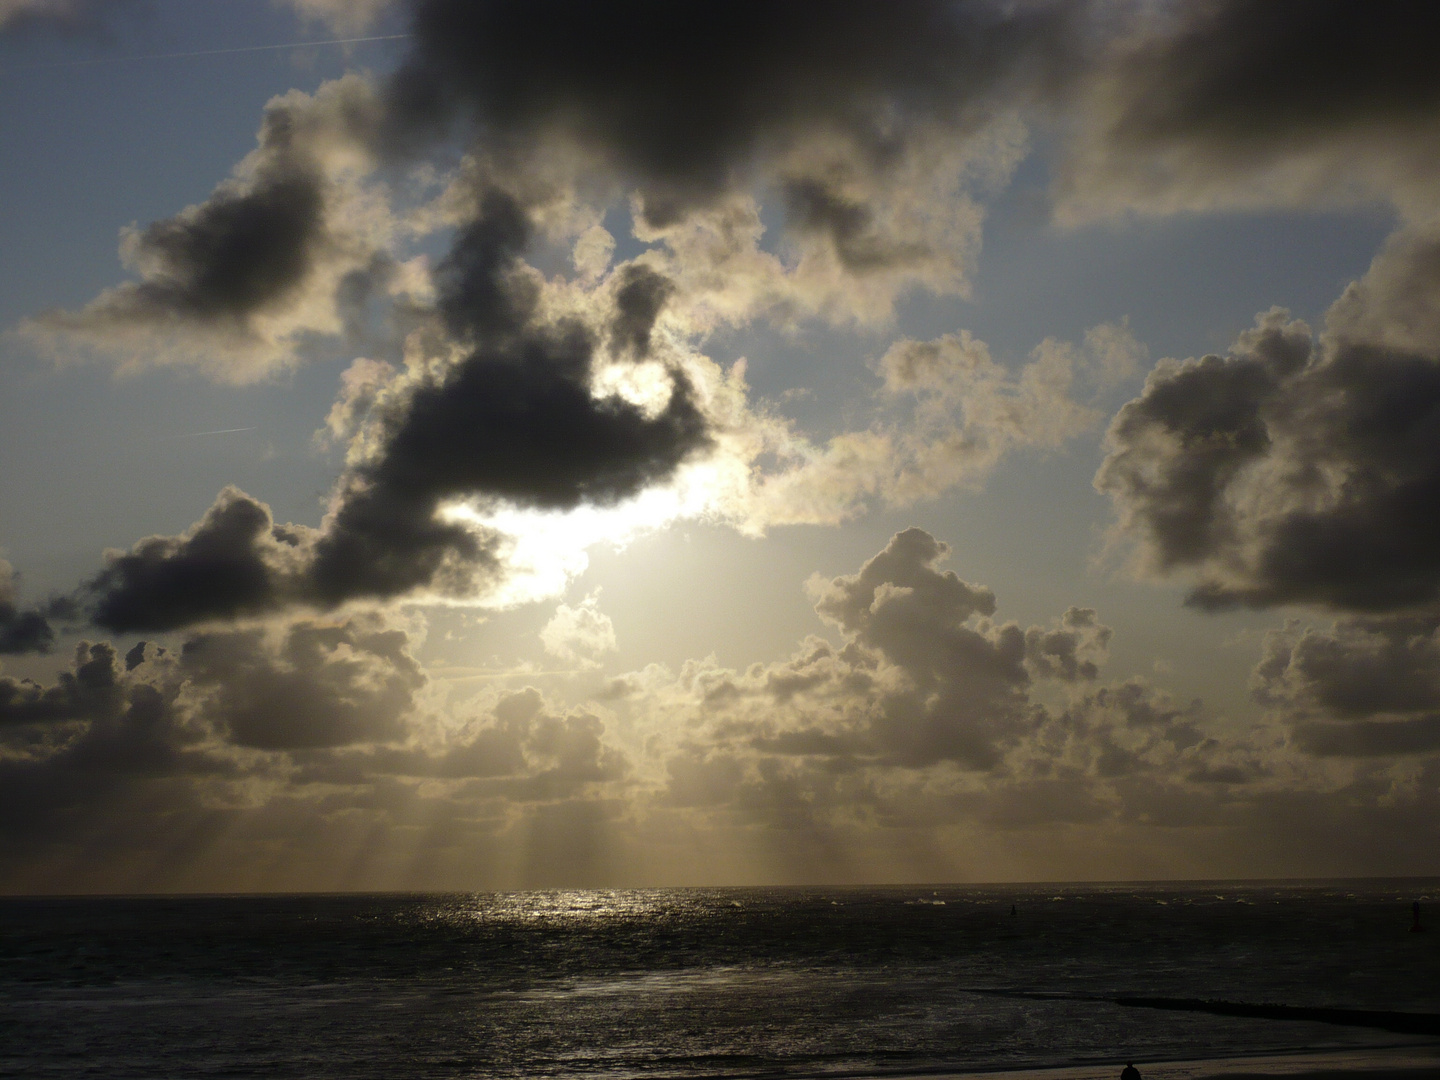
[
  {"x": 499, "y": 405},
  {"x": 931, "y": 716},
  {"x": 1287, "y": 471},
  {"x": 236, "y": 283},
  {"x": 1365, "y": 687},
  {"x": 579, "y": 634},
  {"x": 319, "y": 685},
  {"x": 317, "y": 753},
  {"x": 262, "y": 738},
  {"x": 961, "y": 412},
  {"x": 1295, "y": 469}
]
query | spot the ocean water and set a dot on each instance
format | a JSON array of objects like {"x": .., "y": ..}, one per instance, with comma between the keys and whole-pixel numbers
[{"x": 697, "y": 982}]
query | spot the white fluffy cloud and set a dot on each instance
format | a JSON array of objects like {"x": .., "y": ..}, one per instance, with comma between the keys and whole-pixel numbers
[{"x": 579, "y": 634}]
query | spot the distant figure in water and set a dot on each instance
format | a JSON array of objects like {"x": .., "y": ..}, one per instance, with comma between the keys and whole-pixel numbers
[
  {"x": 1130, "y": 1072},
  {"x": 1415, "y": 927},
  {"x": 1014, "y": 912}
]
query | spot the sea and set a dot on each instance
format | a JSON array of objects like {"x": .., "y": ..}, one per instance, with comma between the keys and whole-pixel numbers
[{"x": 742, "y": 982}]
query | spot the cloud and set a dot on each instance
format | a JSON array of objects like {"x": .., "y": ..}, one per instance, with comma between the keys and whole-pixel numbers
[
  {"x": 234, "y": 562},
  {"x": 318, "y": 752},
  {"x": 769, "y": 76},
  {"x": 522, "y": 393},
  {"x": 236, "y": 284},
  {"x": 67, "y": 15},
  {"x": 961, "y": 412},
  {"x": 932, "y": 716},
  {"x": 319, "y": 685},
  {"x": 579, "y": 634},
  {"x": 342, "y": 16},
  {"x": 1253, "y": 103},
  {"x": 237, "y": 563},
  {"x": 1364, "y": 688},
  {"x": 1289, "y": 471},
  {"x": 502, "y": 408},
  {"x": 21, "y": 630}
]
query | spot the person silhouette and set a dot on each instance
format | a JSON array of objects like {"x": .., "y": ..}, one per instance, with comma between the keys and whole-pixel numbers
[
  {"x": 1130, "y": 1072},
  {"x": 1415, "y": 927}
]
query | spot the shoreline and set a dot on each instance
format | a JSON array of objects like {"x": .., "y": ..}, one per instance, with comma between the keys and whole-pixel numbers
[{"x": 1411, "y": 1062}]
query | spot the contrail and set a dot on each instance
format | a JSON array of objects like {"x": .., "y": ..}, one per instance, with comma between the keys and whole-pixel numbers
[
  {"x": 197, "y": 434},
  {"x": 205, "y": 52}
]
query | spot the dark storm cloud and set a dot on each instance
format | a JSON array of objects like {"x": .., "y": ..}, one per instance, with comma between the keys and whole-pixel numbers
[
  {"x": 1259, "y": 102},
  {"x": 681, "y": 97},
  {"x": 1287, "y": 472},
  {"x": 243, "y": 250},
  {"x": 514, "y": 419},
  {"x": 520, "y": 423},
  {"x": 237, "y": 563},
  {"x": 233, "y": 563},
  {"x": 234, "y": 255},
  {"x": 1266, "y": 76}
]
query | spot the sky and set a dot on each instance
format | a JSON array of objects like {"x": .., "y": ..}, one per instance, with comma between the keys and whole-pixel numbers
[{"x": 498, "y": 445}]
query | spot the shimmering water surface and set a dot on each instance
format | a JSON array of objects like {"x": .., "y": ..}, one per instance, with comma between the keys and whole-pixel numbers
[{"x": 689, "y": 983}]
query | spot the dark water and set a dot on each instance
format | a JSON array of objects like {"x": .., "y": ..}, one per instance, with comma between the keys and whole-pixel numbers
[{"x": 682, "y": 983}]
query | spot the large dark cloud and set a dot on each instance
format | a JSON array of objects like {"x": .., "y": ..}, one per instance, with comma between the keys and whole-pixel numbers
[
  {"x": 517, "y": 419},
  {"x": 1261, "y": 101},
  {"x": 1264, "y": 75},
  {"x": 233, "y": 283},
  {"x": 321, "y": 686},
  {"x": 1288, "y": 472},
  {"x": 514, "y": 419},
  {"x": 233, "y": 563},
  {"x": 23, "y": 631},
  {"x": 682, "y": 97}
]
